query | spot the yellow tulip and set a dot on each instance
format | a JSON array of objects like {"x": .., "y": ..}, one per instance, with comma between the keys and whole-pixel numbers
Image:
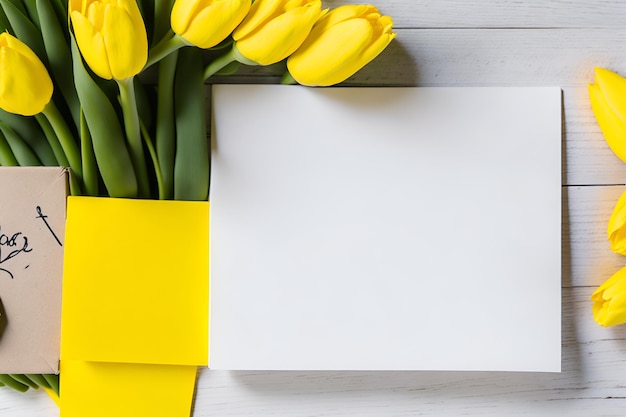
[
  {"x": 25, "y": 85},
  {"x": 616, "y": 229},
  {"x": 608, "y": 102},
  {"x": 341, "y": 43},
  {"x": 274, "y": 29},
  {"x": 609, "y": 300},
  {"x": 205, "y": 23},
  {"x": 111, "y": 36}
]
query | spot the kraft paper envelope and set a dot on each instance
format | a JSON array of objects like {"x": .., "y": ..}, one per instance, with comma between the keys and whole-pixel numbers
[
  {"x": 32, "y": 231},
  {"x": 135, "y": 284},
  {"x": 386, "y": 228}
]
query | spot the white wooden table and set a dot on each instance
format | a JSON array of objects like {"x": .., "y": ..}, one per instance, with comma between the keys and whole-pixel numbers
[{"x": 476, "y": 43}]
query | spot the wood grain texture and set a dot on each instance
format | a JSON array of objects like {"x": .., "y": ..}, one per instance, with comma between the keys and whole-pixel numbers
[
  {"x": 591, "y": 384},
  {"x": 446, "y": 14},
  {"x": 475, "y": 43}
]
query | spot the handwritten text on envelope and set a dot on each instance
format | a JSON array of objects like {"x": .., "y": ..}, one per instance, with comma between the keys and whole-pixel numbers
[{"x": 32, "y": 229}]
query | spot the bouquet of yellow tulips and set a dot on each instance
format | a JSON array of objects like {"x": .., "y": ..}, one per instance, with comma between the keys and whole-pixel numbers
[{"x": 73, "y": 91}]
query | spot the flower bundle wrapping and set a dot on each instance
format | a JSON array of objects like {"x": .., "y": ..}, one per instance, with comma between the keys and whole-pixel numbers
[{"x": 113, "y": 89}]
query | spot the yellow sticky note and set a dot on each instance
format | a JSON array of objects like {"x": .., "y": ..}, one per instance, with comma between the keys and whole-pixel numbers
[
  {"x": 126, "y": 390},
  {"x": 136, "y": 281}
]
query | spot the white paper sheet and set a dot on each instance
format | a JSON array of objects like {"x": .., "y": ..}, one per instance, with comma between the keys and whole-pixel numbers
[{"x": 386, "y": 228}]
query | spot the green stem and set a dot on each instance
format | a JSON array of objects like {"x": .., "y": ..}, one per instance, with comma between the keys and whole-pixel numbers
[
  {"x": 170, "y": 43},
  {"x": 39, "y": 380},
  {"x": 165, "y": 123},
  {"x": 48, "y": 132},
  {"x": 65, "y": 137},
  {"x": 7, "y": 159},
  {"x": 288, "y": 79},
  {"x": 90, "y": 168},
  {"x": 24, "y": 155},
  {"x": 59, "y": 153},
  {"x": 155, "y": 161},
  {"x": 24, "y": 380},
  {"x": 162, "y": 12},
  {"x": 133, "y": 133},
  {"x": 53, "y": 381},
  {"x": 219, "y": 63}
]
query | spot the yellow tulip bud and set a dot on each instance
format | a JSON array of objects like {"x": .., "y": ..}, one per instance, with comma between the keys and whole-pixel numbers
[
  {"x": 609, "y": 300},
  {"x": 608, "y": 102},
  {"x": 25, "y": 85},
  {"x": 274, "y": 29},
  {"x": 111, "y": 36},
  {"x": 341, "y": 43},
  {"x": 616, "y": 229},
  {"x": 205, "y": 23}
]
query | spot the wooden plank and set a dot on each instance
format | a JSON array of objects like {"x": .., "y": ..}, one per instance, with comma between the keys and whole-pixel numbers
[
  {"x": 499, "y": 13},
  {"x": 475, "y": 57},
  {"x": 587, "y": 256},
  {"x": 593, "y": 369}
]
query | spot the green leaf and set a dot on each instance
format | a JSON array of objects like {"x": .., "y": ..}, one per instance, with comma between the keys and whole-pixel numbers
[
  {"x": 19, "y": 5},
  {"x": 53, "y": 140},
  {"x": 28, "y": 129},
  {"x": 61, "y": 9},
  {"x": 31, "y": 10},
  {"x": 191, "y": 166},
  {"x": 24, "y": 380},
  {"x": 58, "y": 52},
  {"x": 12, "y": 383},
  {"x": 90, "y": 168},
  {"x": 7, "y": 159},
  {"x": 146, "y": 7},
  {"x": 39, "y": 380},
  {"x": 24, "y": 29},
  {"x": 162, "y": 13},
  {"x": 23, "y": 154},
  {"x": 4, "y": 22},
  {"x": 165, "y": 125},
  {"x": 107, "y": 137},
  {"x": 132, "y": 127},
  {"x": 53, "y": 381}
]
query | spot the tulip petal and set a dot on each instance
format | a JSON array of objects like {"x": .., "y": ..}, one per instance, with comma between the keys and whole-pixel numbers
[
  {"x": 125, "y": 41},
  {"x": 340, "y": 43},
  {"x": 281, "y": 36},
  {"x": 613, "y": 129},
  {"x": 260, "y": 12},
  {"x": 376, "y": 48},
  {"x": 75, "y": 5},
  {"x": 341, "y": 14},
  {"x": 91, "y": 45},
  {"x": 25, "y": 85},
  {"x": 614, "y": 311},
  {"x": 616, "y": 229},
  {"x": 183, "y": 13},
  {"x": 609, "y": 308},
  {"x": 213, "y": 22},
  {"x": 613, "y": 88},
  {"x": 325, "y": 61}
]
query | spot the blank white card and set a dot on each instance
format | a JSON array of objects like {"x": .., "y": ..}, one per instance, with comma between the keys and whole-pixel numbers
[{"x": 386, "y": 228}]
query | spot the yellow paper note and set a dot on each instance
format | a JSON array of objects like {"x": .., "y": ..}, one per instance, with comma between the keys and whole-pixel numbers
[
  {"x": 126, "y": 390},
  {"x": 136, "y": 281}
]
